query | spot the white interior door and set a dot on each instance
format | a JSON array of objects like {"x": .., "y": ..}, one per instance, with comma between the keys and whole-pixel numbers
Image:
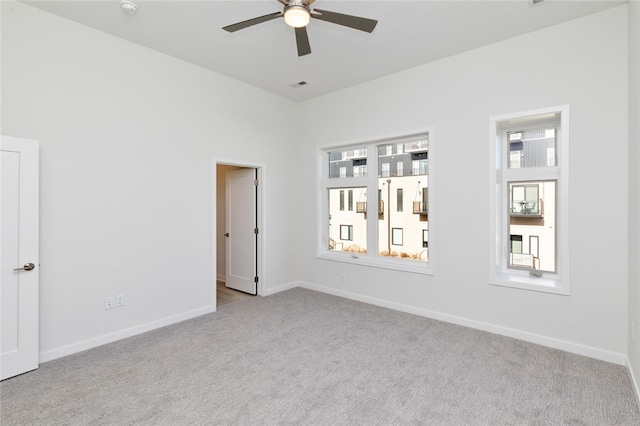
[
  {"x": 240, "y": 268},
  {"x": 19, "y": 257}
]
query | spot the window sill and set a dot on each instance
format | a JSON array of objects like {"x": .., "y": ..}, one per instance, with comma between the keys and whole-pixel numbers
[
  {"x": 525, "y": 281},
  {"x": 411, "y": 266}
]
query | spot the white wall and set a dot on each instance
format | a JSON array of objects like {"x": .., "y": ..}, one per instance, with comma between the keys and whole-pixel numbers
[
  {"x": 582, "y": 63},
  {"x": 127, "y": 136},
  {"x": 127, "y": 139},
  {"x": 634, "y": 188}
]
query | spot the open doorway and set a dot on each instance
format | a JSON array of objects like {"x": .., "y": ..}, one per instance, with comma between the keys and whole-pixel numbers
[{"x": 237, "y": 238}]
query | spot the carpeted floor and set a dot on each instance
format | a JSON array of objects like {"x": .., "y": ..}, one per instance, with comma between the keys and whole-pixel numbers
[{"x": 306, "y": 358}]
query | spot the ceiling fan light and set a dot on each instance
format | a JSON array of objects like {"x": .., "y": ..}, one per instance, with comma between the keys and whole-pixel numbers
[{"x": 297, "y": 16}]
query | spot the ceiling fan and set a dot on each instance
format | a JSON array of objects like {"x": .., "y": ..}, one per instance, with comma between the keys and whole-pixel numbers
[{"x": 297, "y": 14}]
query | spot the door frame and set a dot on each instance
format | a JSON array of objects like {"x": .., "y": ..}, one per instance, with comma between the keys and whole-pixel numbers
[{"x": 260, "y": 221}]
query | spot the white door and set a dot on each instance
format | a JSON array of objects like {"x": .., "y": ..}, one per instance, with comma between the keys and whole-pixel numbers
[
  {"x": 19, "y": 254},
  {"x": 240, "y": 267}
]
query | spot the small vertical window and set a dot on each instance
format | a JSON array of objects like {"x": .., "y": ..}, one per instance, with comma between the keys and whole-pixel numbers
[
  {"x": 533, "y": 246},
  {"x": 396, "y": 236},
  {"x": 350, "y": 195},
  {"x": 346, "y": 232},
  {"x": 530, "y": 192},
  {"x": 386, "y": 170},
  {"x": 516, "y": 244},
  {"x": 399, "y": 200},
  {"x": 341, "y": 200}
]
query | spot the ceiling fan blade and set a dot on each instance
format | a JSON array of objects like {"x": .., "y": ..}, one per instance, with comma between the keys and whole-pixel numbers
[
  {"x": 355, "y": 22},
  {"x": 249, "y": 22},
  {"x": 302, "y": 40}
]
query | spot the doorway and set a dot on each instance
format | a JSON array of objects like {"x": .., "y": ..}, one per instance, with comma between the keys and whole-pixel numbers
[{"x": 238, "y": 218}]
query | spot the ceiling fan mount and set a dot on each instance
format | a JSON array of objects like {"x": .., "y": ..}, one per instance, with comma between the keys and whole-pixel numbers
[{"x": 298, "y": 13}]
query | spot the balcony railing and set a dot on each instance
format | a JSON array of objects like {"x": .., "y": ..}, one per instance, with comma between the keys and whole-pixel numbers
[
  {"x": 524, "y": 260},
  {"x": 527, "y": 209},
  {"x": 361, "y": 207},
  {"x": 421, "y": 207},
  {"x": 416, "y": 146}
]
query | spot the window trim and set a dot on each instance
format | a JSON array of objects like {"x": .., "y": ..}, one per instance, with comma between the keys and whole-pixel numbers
[
  {"x": 324, "y": 183},
  {"x": 499, "y": 275}
]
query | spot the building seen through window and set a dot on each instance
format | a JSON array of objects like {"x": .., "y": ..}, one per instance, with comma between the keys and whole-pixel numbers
[{"x": 400, "y": 209}]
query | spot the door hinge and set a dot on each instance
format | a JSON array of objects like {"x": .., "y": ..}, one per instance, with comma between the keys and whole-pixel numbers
[
  {"x": 255, "y": 279},
  {"x": 255, "y": 231},
  {"x": 255, "y": 182}
]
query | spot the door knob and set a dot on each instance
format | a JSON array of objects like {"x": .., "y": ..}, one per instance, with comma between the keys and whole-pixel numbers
[
  {"x": 26, "y": 267},
  {"x": 226, "y": 235}
]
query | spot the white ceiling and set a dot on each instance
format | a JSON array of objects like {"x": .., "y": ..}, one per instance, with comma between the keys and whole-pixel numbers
[{"x": 409, "y": 33}]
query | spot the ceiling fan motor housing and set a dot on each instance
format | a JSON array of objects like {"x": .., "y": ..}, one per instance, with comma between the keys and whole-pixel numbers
[{"x": 297, "y": 14}]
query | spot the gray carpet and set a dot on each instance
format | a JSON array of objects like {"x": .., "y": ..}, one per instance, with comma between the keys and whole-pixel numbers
[{"x": 306, "y": 358}]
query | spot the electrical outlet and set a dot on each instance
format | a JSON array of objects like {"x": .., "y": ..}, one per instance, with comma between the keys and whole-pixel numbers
[
  {"x": 119, "y": 300},
  {"x": 108, "y": 302}
]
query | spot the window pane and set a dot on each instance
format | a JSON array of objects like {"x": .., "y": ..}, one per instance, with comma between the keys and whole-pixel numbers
[
  {"x": 386, "y": 169},
  {"x": 348, "y": 163},
  {"x": 393, "y": 219},
  {"x": 532, "y": 225},
  {"x": 348, "y": 228},
  {"x": 532, "y": 148}
]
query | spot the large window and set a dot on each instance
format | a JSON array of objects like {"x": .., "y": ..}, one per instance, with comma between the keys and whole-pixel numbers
[
  {"x": 530, "y": 192},
  {"x": 382, "y": 232}
]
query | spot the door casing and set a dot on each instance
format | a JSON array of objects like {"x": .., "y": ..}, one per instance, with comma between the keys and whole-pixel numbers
[{"x": 261, "y": 220}]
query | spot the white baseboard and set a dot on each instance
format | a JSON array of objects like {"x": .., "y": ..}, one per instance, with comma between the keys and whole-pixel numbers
[
  {"x": 591, "y": 352},
  {"x": 282, "y": 287},
  {"x": 122, "y": 334}
]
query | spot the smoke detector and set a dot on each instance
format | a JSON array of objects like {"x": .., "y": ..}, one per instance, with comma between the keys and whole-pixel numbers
[{"x": 128, "y": 6}]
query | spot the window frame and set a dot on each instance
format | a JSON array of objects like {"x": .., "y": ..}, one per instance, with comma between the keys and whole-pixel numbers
[
  {"x": 501, "y": 174},
  {"x": 372, "y": 258}
]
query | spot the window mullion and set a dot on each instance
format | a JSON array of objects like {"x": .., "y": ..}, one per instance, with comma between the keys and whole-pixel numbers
[{"x": 372, "y": 200}]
